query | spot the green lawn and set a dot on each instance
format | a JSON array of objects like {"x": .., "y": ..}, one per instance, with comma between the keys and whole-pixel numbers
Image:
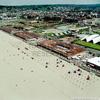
[{"x": 88, "y": 44}]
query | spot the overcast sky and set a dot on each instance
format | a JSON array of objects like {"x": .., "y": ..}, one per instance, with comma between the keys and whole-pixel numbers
[{"x": 30, "y": 2}]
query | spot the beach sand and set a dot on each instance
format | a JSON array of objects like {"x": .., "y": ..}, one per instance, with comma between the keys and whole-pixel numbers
[{"x": 29, "y": 73}]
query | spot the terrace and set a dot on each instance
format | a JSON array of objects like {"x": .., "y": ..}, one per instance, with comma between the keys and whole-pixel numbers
[
  {"x": 62, "y": 48},
  {"x": 26, "y": 35}
]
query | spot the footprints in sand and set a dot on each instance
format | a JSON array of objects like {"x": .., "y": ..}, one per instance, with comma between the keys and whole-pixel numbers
[
  {"x": 74, "y": 76},
  {"x": 71, "y": 74}
]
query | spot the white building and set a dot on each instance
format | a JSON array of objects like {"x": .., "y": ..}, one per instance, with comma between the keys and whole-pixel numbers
[
  {"x": 84, "y": 37},
  {"x": 89, "y": 38},
  {"x": 96, "y": 40},
  {"x": 94, "y": 62}
]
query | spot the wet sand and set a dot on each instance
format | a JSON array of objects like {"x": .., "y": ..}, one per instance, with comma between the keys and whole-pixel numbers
[{"x": 29, "y": 73}]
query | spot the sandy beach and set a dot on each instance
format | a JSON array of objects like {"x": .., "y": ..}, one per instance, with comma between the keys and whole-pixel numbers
[{"x": 29, "y": 73}]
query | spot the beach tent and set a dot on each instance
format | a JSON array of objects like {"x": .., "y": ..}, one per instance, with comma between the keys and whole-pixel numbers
[
  {"x": 91, "y": 37},
  {"x": 96, "y": 40}
]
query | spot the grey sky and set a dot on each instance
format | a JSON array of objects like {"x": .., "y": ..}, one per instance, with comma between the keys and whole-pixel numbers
[{"x": 28, "y": 2}]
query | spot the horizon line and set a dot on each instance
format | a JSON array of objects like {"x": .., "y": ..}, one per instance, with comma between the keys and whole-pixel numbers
[{"x": 49, "y": 4}]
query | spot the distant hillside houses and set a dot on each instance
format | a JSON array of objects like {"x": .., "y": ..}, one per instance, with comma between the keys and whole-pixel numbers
[{"x": 95, "y": 38}]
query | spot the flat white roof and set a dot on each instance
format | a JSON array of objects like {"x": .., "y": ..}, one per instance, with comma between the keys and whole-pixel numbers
[
  {"x": 95, "y": 61},
  {"x": 78, "y": 28},
  {"x": 52, "y": 31},
  {"x": 81, "y": 36}
]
